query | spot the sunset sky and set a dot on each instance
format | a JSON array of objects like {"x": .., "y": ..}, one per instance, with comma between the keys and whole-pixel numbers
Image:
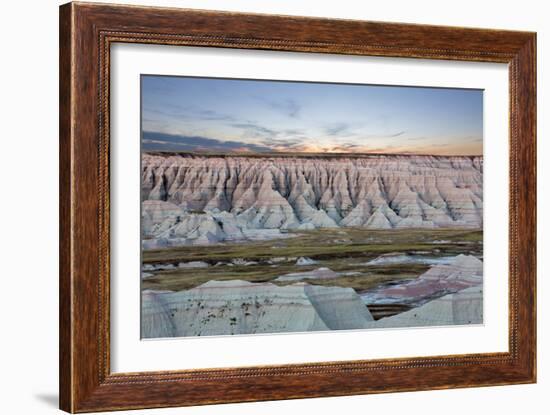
[{"x": 223, "y": 115}]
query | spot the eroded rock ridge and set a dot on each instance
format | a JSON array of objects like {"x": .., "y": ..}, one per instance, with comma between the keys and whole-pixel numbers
[{"x": 191, "y": 199}]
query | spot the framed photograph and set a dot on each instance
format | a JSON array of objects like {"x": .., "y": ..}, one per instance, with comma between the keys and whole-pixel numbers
[{"x": 259, "y": 207}]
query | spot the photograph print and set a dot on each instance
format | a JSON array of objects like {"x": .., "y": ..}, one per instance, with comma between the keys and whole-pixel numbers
[{"x": 283, "y": 206}]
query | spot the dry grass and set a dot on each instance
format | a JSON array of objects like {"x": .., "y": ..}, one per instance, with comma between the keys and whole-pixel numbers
[{"x": 341, "y": 250}]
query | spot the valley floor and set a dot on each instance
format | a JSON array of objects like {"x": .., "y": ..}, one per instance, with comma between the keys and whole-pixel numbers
[
  {"x": 391, "y": 271},
  {"x": 342, "y": 250}
]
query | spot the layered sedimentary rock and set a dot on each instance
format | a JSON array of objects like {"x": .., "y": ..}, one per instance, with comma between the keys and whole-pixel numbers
[
  {"x": 316, "y": 274},
  {"x": 447, "y": 294},
  {"x": 190, "y": 199},
  {"x": 241, "y": 307},
  {"x": 462, "y": 272},
  {"x": 462, "y": 307}
]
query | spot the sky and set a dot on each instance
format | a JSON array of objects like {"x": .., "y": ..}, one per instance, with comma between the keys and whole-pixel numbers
[{"x": 231, "y": 115}]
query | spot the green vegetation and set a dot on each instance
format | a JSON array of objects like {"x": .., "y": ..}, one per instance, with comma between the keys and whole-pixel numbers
[
  {"x": 326, "y": 243},
  {"x": 343, "y": 250}
]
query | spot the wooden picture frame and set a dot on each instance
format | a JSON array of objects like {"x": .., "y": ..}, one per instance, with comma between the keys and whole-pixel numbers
[{"x": 86, "y": 33}]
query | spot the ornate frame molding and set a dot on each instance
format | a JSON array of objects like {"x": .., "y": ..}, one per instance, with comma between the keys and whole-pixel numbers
[{"x": 87, "y": 32}]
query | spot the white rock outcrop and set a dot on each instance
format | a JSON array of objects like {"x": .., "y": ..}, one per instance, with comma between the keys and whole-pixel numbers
[
  {"x": 399, "y": 258},
  {"x": 241, "y": 307},
  {"x": 322, "y": 273},
  {"x": 193, "y": 264},
  {"x": 459, "y": 273},
  {"x": 190, "y": 199},
  {"x": 306, "y": 261},
  {"x": 462, "y": 307}
]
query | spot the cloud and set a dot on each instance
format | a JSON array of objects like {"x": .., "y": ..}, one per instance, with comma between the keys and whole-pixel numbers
[
  {"x": 155, "y": 141},
  {"x": 254, "y": 130},
  {"x": 294, "y": 131},
  {"x": 343, "y": 129},
  {"x": 346, "y": 148},
  {"x": 189, "y": 112},
  {"x": 338, "y": 130},
  {"x": 288, "y": 107},
  {"x": 209, "y": 115},
  {"x": 282, "y": 143},
  {"x": 267, "y": 135},
  {"x": 432, "y": 145},
  {"x": 389, "y": 135}
]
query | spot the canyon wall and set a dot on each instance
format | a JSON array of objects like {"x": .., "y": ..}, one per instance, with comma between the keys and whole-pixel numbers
[{"x": 192, "y": 199}]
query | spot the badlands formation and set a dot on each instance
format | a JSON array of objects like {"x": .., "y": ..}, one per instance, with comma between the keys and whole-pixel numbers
[
  {"x": 344, "y": 276},
  {"x": 462, "y": 272},
  {"x": 198, "y": 200},
  {"x": 241, "y": 307}
]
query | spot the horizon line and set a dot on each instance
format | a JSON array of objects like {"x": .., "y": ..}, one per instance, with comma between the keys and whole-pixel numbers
[{"x": 297, "y": 154}]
